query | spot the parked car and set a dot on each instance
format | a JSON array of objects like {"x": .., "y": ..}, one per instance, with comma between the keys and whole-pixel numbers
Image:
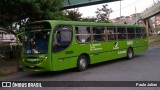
[{"x": 7, "y": 37}]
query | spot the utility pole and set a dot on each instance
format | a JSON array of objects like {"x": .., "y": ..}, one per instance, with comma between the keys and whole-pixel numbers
[
  {"x": 120, "y": 12},
  {"x": 120, "y": 8},
  {"x": 135, "y": 14}
]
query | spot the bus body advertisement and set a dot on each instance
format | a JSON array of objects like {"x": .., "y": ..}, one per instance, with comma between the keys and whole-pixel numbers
[{"x": 52, "y": 45}]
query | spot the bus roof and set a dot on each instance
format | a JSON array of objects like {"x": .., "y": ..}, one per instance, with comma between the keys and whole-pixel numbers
[{"x": 87, "y": 23}]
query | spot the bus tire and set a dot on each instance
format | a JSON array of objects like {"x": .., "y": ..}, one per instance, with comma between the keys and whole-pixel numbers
[
  {"x": 130, "y": 53},
  {"x": 82, "y": 63}
]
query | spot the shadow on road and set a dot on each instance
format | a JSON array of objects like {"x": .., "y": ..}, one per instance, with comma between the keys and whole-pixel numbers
[
  {"x": 113, "y": 62},
  {"x": 50, "y": 73}
]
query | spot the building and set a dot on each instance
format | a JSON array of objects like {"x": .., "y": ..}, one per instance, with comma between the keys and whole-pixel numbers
[
  {"x": 126, "y": 19},
  {"x": 6, "y": 37}
]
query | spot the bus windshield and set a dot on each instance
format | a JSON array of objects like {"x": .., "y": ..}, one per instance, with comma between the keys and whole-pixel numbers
[
  {"x": 36, "y": 42},
  {"x": 36, "y": 38}
]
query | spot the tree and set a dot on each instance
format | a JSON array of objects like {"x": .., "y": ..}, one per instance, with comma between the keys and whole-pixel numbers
[
  {"x": 23, "y": 11},
  {"x": 74, "y": 14},
  {"x": 89, "y": 19},
  {"x": 103, "y": 13}
]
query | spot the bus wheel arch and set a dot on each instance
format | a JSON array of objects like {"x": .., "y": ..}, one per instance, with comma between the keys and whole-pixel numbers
[
  {"x": 83, "y": 62},
  {"x": 130, "y": 53}
]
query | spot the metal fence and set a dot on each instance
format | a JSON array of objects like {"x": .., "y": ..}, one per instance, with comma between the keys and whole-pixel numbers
[{"x": 10, "y": 52}]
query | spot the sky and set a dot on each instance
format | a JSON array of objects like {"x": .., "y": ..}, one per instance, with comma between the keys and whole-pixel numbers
[{"x": 128, "y": 7}]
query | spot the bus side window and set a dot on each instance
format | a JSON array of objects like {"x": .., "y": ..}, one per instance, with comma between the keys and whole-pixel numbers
[
  {"x": 83, "y": 34},
  {"x": 62, "y": 37},
  {"x": 144, "y": 33},
  {"x": 139, "y": 32},
  {"x": 131, "y": 33},
  {"x": 111, "y": 33},
  {"x": 121, "y": 33},
  {"x": 77, "y": 36},
  {"x": 98, "y": 33}
]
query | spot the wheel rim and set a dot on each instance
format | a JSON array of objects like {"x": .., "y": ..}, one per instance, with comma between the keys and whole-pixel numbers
[
  {"x": 130, "y": 53},
  {"x": 83, "y": 63}
]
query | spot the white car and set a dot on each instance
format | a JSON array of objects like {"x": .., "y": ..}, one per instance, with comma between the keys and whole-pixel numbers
[{"x": 7, "y": 37}]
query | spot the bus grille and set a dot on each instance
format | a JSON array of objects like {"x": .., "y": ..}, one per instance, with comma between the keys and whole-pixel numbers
[{"x": 33, "y": 62}]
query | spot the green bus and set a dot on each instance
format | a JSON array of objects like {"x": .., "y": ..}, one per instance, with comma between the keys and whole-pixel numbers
[{"x": 53, "y": 45}]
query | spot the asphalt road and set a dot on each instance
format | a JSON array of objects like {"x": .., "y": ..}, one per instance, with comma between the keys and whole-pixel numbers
[{"x": 143, "y": 67}]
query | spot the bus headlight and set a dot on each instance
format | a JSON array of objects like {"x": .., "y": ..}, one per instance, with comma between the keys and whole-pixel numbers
[{"x": 46, "y": 58}]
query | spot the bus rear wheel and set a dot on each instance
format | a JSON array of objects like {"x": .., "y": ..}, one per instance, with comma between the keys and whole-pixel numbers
[
  {"x": 130, "y": 53},
  {"x": 82, "y": 63}
]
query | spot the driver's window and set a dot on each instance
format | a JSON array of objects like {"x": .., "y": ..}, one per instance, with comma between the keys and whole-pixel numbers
[{"x": 62, "y": 37}]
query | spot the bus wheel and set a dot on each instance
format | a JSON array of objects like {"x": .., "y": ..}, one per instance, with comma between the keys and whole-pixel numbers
[
  {"x": 130, "y": 53},
  {"x": 82, "y": 63}
]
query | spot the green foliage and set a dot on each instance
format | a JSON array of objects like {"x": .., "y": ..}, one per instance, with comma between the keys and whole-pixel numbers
[
  {"x": 89, "y": 19},
  {"x": 154, "y": 37},
  {"x": 3, "y": 24},
  {"x": 2, "y": 74},
  {"x": 74, "y": 14},
  {"x": 20, "y": 12},
  {"x": 17, "y": 10},
  {"x": 103, "y": 13}
]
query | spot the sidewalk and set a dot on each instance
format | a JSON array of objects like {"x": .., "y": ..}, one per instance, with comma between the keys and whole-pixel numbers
[
  {"x": 153, "y": 41},
  {"x": 154, "y": 44},
  {"x": 8, "y": 67}
]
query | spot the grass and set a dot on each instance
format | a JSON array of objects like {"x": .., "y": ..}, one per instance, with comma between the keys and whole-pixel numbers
[
  {"x": 156, "y": 43},
  {"x": 2, "y": 74},
  {"x": 154, "y": 37}
]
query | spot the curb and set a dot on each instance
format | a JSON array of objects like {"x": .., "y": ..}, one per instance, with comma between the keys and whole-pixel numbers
[
  {"x": 153, "y": 41},
  {"x": 152, "y": 45}
]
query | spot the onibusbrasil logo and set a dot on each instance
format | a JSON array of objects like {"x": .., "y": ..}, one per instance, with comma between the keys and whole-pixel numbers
[{"x": 21, "y": 84}]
